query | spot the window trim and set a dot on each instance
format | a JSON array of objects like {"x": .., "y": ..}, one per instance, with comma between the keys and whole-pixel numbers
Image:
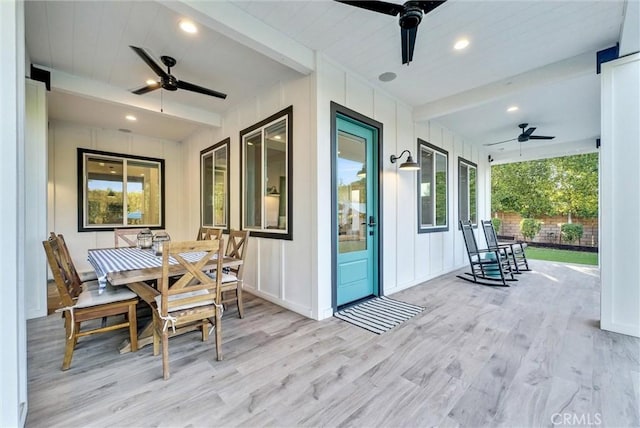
[
  {"x": 445, "y": 153},
  {"x": 212, "y": 149},
  {"x": 286, "y": 114},
  {"x": 467, "y": 163},
  {"x": 81, "y": 188}
]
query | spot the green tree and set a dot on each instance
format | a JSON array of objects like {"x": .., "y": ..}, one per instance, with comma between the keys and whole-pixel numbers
[
  {"x": 560, "y": 186},
  {"x": 576, "y": 185},
  {"x": 522, "y": 187}
]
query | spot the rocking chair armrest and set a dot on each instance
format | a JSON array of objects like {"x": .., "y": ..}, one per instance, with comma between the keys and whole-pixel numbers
[
  {"x": 516, "y": 248},
  {"x": 487, "y": 250}
]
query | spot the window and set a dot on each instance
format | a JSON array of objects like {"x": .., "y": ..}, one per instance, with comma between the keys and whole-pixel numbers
[
  {"x": 432, "y": 188},
  {"x": 116, "y": 191},
  {"x": 266, "y": 207},
  {"x": 467, "y": 191},
  {"x": 214, "y": 186}
]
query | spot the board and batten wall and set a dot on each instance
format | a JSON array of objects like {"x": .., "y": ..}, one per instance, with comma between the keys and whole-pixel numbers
[
  {"x": 294, "y": 274},
  {"x": 276, "y": 270},
  {"x": 297, "y": 274},
  {"x": 64, "y": 139},
  {"x": 409, "y": 258}
]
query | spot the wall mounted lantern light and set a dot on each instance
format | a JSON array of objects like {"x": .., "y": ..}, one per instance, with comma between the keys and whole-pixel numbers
[{"x": 409, "y": 165}]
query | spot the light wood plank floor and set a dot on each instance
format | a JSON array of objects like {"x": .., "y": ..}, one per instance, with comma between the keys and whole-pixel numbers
[{"x": 529, "y": 355}]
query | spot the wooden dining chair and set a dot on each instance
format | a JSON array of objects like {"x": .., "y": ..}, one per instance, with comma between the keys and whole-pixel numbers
[
  {"x": 126, "y": 237},
  {"x": 83, "y": 303},
  {"x": 209, "y": 233},
  {"x": 192, "y": 297},
  {"x": 232, "y": 277},
  {"x": 85, "y": 278}
]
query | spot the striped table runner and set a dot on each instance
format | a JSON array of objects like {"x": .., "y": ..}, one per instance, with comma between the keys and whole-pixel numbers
[{"x": 109, "y": 260}]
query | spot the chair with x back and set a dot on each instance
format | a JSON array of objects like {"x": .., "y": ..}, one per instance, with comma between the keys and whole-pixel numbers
[
  {"x": 232, "y": 277},
  {"x": 191, "y": 297},
  {"x": 209, "y": 233},
  {"x": 488, "y": 267},
  {"x": 126, "y": 237},
  {"x": 83, "y": 303}
]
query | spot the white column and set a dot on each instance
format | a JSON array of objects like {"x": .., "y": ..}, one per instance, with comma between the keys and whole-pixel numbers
[
  {"x": 13, "y": 358},
  {"x": 620, "y": 196},
  {"x": 35, "y": 199}
]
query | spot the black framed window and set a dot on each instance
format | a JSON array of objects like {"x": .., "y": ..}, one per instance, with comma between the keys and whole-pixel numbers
[
  {"x": 266, "y": 187},
  {"x": 119, "y": 191},
  {"x": 214, "y": 186},
  {"x": 433, "y": 188},
  {"x": 467, "y": 191}
]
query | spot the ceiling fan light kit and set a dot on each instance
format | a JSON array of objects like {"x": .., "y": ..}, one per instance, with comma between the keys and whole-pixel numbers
[{"x": 411, "y": 14}]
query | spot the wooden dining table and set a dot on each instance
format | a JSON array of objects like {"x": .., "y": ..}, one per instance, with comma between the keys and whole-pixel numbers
[{"x": 134, "y": 267}]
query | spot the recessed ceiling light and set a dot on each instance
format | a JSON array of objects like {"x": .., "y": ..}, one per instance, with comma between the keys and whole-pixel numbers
[
  {"x": 188, "y": 26},
  {"x": 277, "y": 137},
  {"x": 113, "y": 172},
  {"x": 512, "y": 109},
  {"x": 131, "y": 118},
  {"x": 461, "y": 44},
  {"x": 151, "y": 82},
  {"x": 387, "y": 77}
]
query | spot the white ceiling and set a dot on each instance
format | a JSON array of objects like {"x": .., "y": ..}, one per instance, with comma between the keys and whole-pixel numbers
[{"x": 539, "y": 55}]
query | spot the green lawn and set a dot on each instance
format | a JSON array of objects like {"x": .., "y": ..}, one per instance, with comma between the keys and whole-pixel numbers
[{"x": 563, "y": 256}]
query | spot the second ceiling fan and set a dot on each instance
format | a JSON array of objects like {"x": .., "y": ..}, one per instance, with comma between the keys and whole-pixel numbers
[
  {"x": 167, "y": 80},
  {"x": 410, "y": 13},
  {"x": 524, "y": 136}
]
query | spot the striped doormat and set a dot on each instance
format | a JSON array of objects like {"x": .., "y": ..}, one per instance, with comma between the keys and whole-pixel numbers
[{"x": 379, "y": 314}]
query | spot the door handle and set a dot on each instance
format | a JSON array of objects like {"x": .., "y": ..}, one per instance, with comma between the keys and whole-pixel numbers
[{"x": 372, "y": 221}]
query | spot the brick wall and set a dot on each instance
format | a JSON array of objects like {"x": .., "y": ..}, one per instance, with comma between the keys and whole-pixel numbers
[{"x": 550, "y": 231}]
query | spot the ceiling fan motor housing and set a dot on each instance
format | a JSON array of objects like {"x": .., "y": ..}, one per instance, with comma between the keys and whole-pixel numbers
[
  {"x": 411, "y": 17},
  {"x": 170, "y": 83}
]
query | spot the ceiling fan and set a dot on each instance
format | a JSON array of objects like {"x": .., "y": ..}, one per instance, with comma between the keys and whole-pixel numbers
[
  {"x": 167, "y": 80},
  {"x": 524, "y": 136},
  {"x": 410, "y": 16}
]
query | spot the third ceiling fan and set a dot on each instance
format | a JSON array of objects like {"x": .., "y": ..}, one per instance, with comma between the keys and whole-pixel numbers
[{"x": 524, "y": 136}]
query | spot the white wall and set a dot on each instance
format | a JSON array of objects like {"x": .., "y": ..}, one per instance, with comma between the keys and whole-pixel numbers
[
  {"x": 620, "y": 196},
  {"x": 277, "y": 270},
  {"x": 13, "y": 354},
  {"x": 297, "y": 274},
  {"x": 35, "y": 199},
  {"x": 64, "y": 139},
  {"x": 409, "y": 258}
]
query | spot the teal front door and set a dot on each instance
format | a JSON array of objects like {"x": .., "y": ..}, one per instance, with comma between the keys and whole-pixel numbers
[{"x": 356, "y": 202}]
